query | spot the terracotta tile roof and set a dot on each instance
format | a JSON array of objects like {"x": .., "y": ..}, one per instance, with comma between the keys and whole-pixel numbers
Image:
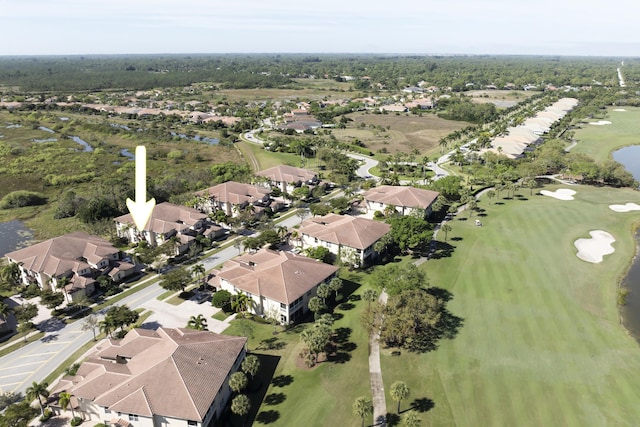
[
  {"x": 192, "y": 365},
  {"x": 279, "y": 276},
  {"x": 288, "y": 174},
  {"x": 168, "y": 216},
  {"x": 354, "y": 232},
  {"x": 235, "y": 193},
  {"x": 401, "y": 196},
  {"x": 65, "y": 254}
]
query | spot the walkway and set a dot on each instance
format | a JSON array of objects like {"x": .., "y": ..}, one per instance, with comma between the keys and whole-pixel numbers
[{"x": 375, "y": 375}]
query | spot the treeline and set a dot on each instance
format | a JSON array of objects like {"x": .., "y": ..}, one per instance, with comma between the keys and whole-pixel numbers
[
  {"x": 370, "y": 72},
  {"x": 81, "y": 73}
]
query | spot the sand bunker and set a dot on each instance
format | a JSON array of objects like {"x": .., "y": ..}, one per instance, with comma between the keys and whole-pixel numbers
[
  {"x": 560, "y": 194},
  {"x": 593, "y": 249},
  {"x": 625, "y": 208},
  {"x": 600, "y": 123},
  {"x": 619, "y": 109}
]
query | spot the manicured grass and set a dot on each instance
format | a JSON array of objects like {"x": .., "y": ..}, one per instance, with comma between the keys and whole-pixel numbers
[
  {"x": 541, "y": 342},
  {"x": 321, "y": 396},
  {"x": 221, "y": 315},
  {"x": 599, "y": 141}
]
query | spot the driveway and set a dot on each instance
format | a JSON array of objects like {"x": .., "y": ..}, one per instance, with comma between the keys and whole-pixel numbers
[{"x": 177, "y": 316}]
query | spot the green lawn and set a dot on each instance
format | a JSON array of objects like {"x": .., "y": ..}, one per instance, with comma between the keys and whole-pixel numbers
[
  {"x": 541, "y": 342},
  {"x": 321, "y": 396},
  {"x": 599, "y": 141}
]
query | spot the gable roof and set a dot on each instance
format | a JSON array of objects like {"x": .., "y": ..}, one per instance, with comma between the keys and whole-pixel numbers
[
  {"x": 351, "y": 231},
  {"x": 166, "y": 217},
  {"x": 64, "y": 254},
  {"x": 279, "y": 276},
  {"x": 234, "y": 192},
  {"x": 288, "y": 174},
  {"x": 402, "y": 196},
  {"x": 193, "y": 365}
]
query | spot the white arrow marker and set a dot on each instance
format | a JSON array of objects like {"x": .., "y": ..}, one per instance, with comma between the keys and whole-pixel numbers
[{"x": 141, "y": 209}]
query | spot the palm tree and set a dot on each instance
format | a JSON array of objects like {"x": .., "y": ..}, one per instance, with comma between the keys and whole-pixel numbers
[
  {"x": 323, "y": 292},
  {"x": 399, "y": 390},
  {"x": 250, "y": 365},
  {"x": 241, "y": 405},
  {"x": 411, "y": 419},
  {"x": 198, "y": 323},
  {"x": 91, "y": 322},
  {"x": 240, "y": 302},
  {"x": 61, "y": 283},
  {"x": 335, "y": 285},
  {"x": 446, "y": 228},
  {"x": 198, "y": 270},
  {"x": 238, "y": 381},
  {"x": 362, "y": 407},
  {"x": 38, "y": 391},
  {"x": 106, "y": 326},
  {"x": 64, "y": 400},
  {"x": 491, "y": 194},
  {"x": 370, "y": 295}
]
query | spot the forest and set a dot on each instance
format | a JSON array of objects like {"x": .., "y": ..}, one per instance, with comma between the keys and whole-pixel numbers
[{"x": 90, "y": 73}]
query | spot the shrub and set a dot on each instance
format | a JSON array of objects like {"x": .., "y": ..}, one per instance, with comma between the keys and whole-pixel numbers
[
  {"x": 222, "y": 299},
  {"x": 47, "y": 414},
  {"x": 76, "y": 421},
  {"x": 21, "y": 198}
]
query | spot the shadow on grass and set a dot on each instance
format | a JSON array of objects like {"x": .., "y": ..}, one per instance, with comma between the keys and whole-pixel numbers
[
  {"x": 422, "y": 404},
  {"x": 282, "y": 380},
  {"x": 272, "y": 343},
  {"x": 456, "y": 239},
  {"x": 264, "y": 377},
  {"x": 275, "y": 398},
  {"x": 392, "y": 419},
  {"x": 442, "y": 250},
  {"x": 342, "y": 347},
  {"x": 268, "y": 417}
]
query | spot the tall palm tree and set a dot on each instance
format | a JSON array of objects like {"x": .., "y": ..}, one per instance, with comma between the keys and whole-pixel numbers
[
  {"x": 399, "y": 391},
  {"x": 445, "y": 228},
  {"x": 64, "y": 399},
  {"x": 362, "y": 407},
  {"x": 198, "y": 323},
  {"x": 38, "y": 391},
  {"x": 91, "y": 323},
  {"x": 106, "y": 326},
  {"x": 198, "y": 270},
  {"x": 370, "y": 295}
]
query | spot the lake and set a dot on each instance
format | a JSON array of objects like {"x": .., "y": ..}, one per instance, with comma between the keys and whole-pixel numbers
[
  {"x": 14, "y": 235},
  {"x": 629, "y": 157}
]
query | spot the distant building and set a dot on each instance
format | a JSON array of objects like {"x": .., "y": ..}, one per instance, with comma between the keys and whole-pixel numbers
[
  {"x": 232, "y": 197},
  {"x": 405, "y": 200},
  {"x": 288, "y": 178}
]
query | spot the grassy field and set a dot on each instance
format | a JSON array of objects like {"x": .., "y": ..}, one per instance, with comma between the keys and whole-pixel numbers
[
  {"x": 541, "y": 343},
  {"x": 599, "y": 141},
  {"x": 322, "y": 396},
  {"x": 405, "y": 133}
]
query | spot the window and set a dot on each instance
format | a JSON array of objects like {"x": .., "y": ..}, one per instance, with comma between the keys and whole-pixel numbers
[
  {"x": 283, "y": 306},
  {"x": 133, "y": 417},
  {"x": 192, "y": 423},
  {"x": 107, "y": 410}
]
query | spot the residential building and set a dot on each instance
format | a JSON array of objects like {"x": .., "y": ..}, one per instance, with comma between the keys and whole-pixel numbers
[
  {"x": 76, "y": 258},
  {"x": 167, "y": 220},
  {"x": 405, "y": 200},
  {"x": 167, "y": 377},
  {"x": 279, "y": 284},
  {"x": 232, "y": 197},
  {"x": 350, "y": 238},
  {"x": 288, "y": 178}
]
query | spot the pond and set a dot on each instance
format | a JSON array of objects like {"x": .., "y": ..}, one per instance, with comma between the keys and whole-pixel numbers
[
  {"x": 87, "y": 148},
  {"x": 205, "y": 139},
  {"x": 629, "y": 157},
  {"x": 14, "y": 235}
]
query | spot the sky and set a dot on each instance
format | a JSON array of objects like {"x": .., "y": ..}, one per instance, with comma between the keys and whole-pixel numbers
[{"x": 526, "y": 27}]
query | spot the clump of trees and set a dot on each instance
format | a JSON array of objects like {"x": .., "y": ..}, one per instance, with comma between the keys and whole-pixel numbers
[{"x": 415, "y": 315}]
